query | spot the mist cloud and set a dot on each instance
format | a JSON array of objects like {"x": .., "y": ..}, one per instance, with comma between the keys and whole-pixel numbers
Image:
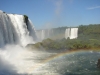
[{"x": 58, "y": 8}]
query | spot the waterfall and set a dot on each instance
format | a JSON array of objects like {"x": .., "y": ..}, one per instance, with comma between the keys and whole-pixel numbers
[
  {"x": 14, "y": 30},
  {"x": 50, "y": 32},
  {"x": 43, "y": 34},
  {"x": 40, "y": 34},
  {"x": 72, "y": 33},
  {"x": 67, "y": 33}
]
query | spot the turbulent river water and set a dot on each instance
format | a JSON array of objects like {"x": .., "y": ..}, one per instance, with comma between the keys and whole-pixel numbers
[{"x": 49, "y": 63}]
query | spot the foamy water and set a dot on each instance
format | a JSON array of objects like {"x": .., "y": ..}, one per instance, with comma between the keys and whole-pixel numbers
[{"x": 22, "y": 61}]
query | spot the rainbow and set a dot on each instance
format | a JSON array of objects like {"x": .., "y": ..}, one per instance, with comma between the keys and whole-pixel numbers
[{"x": 37, "y": 66}]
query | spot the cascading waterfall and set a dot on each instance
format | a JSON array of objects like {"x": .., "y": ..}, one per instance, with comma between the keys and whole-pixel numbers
[
  {"x": 14, "y": 30},
  {"x": 72, "y": 33},
  {"x": 67, "y": 33},
  {"x": 49, "y": 33},
  {"x": 43, "y": 34}
]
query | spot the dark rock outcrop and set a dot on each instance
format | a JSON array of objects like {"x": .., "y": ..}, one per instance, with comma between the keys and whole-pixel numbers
[{"x": 98, "y": 64}]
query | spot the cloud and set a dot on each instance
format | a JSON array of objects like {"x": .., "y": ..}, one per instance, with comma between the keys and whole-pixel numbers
[{"x": 95, "y": 7}]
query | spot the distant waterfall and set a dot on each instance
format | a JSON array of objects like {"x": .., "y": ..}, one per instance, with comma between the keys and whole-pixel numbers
[
  {"x": 72, "y": 33},
  {"x": 42, "y": 34},
  {"x": 49, "y": 33},
  {"x": 67, "y": 33},
  {"x": 14, "y": 30}
]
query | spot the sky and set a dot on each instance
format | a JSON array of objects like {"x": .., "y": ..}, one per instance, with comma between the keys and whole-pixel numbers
[{"x": 55, "y": 13}]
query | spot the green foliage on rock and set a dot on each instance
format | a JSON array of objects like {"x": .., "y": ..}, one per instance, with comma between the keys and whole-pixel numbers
[
  {"x": 91, "y": 31},
  {"x": 25, "y": 19}
]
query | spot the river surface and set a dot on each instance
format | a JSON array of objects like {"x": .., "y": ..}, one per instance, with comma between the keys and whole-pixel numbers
[{"x": 57, "y": 63}]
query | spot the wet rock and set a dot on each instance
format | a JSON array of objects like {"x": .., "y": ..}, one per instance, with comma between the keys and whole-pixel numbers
[{"x": 98, "y": 64}]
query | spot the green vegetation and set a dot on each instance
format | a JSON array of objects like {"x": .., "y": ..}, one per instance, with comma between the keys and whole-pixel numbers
[
  {"x": 25, "y": 19},
  {"x": 91, "y": 31},
  {"x": 89, "y": 38},
  {"x": 72, "y": 44}
]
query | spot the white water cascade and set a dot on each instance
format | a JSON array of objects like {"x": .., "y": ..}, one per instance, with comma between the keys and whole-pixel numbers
[
  {"x": 42, "y": 34},
  {"x": 72, "y": 33},
  {"x": 67, "y": 33},
  {"x": 14, "y": 30}
]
